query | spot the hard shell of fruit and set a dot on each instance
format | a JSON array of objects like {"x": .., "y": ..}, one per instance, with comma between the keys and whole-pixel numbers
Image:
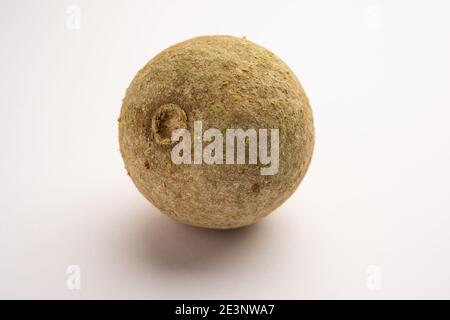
[{"x": 225, "y": 82}]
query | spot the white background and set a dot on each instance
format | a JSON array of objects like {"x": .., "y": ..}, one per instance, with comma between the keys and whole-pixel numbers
[{"x": 370, "y": 220}]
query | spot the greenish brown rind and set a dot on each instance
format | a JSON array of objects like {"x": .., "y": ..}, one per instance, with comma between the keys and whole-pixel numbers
[{"x": 226, "y": 82}]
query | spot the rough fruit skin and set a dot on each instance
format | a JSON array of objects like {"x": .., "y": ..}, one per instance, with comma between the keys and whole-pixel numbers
[{"x": 226, "y": 82}]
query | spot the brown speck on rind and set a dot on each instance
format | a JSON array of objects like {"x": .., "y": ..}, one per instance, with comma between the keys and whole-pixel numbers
[
  {"x": 255, "y": 188},
  {"x": 226, "y": 82}
]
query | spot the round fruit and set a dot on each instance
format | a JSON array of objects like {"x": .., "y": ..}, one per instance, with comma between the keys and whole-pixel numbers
[{"x": 221, "y": 82}]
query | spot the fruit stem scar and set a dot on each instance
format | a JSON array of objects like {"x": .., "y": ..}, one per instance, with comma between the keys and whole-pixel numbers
[{"x": 167, "y": 118}]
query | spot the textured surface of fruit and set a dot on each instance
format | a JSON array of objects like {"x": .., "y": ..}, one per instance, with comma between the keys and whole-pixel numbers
[{"x": 225, "y": 82}]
